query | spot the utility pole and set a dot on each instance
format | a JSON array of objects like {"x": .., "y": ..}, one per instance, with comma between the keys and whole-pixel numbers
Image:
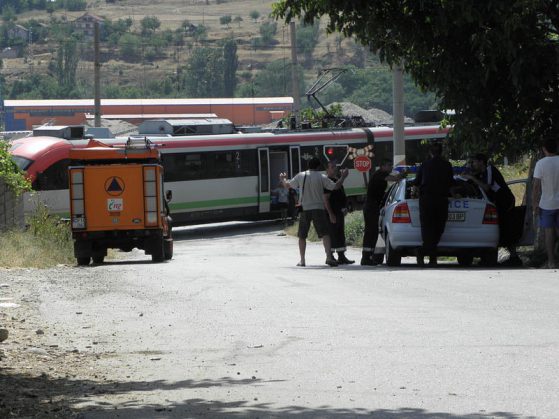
[
  {"x": 294, "y": 74},
  {"x": 97, "y": 77},
  {"x": 398, "y": 116}
]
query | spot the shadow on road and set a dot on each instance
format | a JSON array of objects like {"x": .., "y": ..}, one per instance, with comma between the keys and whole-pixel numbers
[
  {"x": 231, "y": 229},
  {"x": 24, "y": 395}
]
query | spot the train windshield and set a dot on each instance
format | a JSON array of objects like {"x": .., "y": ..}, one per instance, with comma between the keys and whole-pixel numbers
[{"x": 22, "y": 162}]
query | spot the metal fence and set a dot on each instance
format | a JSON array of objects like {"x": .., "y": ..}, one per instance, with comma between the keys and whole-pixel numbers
[{"x": 11, "y": 209}]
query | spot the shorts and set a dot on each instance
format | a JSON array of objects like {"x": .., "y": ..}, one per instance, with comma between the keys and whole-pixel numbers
[
  {"x": 549, "y": 218},
  {"x": 318, "y": 218}
]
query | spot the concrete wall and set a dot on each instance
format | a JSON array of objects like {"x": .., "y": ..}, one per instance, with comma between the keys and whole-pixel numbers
[{"x": 11, "y": 209}]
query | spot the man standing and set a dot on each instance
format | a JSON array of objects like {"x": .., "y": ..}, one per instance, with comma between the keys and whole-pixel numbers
[
  {"x": 336, "y": 206},
  {"x": 371, "y": 210},
  {"x": 312, "y": 184},
  {"x": 489, "y": 178},
  {"x": 545, "y": 195},
  {"x": 434, "y": 179}
]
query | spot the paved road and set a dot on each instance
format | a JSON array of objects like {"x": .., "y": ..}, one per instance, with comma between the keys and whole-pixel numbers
[{"x": 231, "y": 328}]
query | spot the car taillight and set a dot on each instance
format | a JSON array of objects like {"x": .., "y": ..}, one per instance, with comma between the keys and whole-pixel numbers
[
  {"x": 401, "y": 213},
  {"x": 490, "y": 216}
]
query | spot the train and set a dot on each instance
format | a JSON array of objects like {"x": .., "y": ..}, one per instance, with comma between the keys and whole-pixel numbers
[{"x": 224, "y": 177}]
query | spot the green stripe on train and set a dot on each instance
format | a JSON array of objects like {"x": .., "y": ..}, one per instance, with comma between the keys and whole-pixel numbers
[
  {"x": 249, "y": 200},
  {"x": 355, "y": 191}
]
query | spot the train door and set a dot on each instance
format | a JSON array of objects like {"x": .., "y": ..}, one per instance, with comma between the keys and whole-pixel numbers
[
  {"x": 294, "y": 160},
  {"x": 263, "y": 180}
]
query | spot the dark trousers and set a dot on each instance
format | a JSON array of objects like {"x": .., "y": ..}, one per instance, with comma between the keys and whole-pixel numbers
[
  {"x": 337, "y": 232},
  {"x": 370, "y": 237},
  {"x": 433, "y": 213}
]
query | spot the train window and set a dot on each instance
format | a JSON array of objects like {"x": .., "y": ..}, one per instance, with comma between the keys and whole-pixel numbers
[
  {"x": 209, "y": 165},
  {"x": 53, "y": 178}
]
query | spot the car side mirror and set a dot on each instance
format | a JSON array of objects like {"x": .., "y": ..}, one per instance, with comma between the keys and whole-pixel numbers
[{"x": 169, "y": 195}]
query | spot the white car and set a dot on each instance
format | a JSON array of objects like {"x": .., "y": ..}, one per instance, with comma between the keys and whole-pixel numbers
[{"x": 471, "y": 229}]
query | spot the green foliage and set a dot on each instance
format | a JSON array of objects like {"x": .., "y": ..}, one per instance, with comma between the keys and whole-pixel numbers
[
  {"x": 354, "y": 227},
  {"x": 494, "y": 62},
  {"x": 267, "y": 32},
  {"x": 238, "y": 20},
  {"x": 275, "y": 80},
  {"x": 225, "y": 20},
  {"x": 203, "y": 75},
  {"x": 149, "y": 25},
  {"x": 254, "y": 15},
  {"x": 230, "y": 65},
  {"x": 47, "y": 243},
  {"x": 307, "y": 38},
  {"x": 10, "y": 173},
  {"x": 130, "y": 47}
]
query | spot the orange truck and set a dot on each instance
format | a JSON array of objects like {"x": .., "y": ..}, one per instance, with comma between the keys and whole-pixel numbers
[{"x": 117, "y": 201}]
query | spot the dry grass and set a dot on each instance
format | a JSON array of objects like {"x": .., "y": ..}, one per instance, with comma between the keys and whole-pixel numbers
[{"x": 24, "y": 250}]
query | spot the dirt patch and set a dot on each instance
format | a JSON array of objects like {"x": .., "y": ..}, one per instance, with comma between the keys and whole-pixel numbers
[{"x": 38, "y": 378}]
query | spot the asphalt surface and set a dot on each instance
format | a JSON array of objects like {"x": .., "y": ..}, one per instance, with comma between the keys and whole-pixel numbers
[{"x": 232, "y": 328}]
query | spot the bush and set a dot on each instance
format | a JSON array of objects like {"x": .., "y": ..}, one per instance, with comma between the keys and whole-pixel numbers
[
  {"x": 353, "y": 230},
  {"x": 46, "y": 243}
]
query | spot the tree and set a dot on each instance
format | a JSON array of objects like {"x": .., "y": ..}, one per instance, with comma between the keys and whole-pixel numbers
[
  {"x": 307, "y": 38},
  {"x": 494, "y": 62},
  {"x": 254, "y": 15},
  {"x": 66, "y": 64},
  {"x": 267, "y": 32},
  {"x": 237, "y": 19},
  {"x": 275, "y": 80},
  {"x": 203, "y": 75},
  {"x": 225, "y": 20},
  {"x": 230, "y": 65},
  {"x": 149, "y": 25}
]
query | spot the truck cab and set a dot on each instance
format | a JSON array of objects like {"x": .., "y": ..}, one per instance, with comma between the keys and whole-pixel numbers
[{"x": 117, "y": 201}]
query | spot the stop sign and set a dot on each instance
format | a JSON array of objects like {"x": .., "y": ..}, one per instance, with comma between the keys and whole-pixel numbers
[{"x": 362, "y": 163}]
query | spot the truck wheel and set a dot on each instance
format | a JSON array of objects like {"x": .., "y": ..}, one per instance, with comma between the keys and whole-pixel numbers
[
  {"x": 98, "y": 258},
  {"x": 168, "y": 248},
  {"x": 158, "y": 253},
  {"x": 83, "y": 261},
  {"x": 393, "y": 258}
]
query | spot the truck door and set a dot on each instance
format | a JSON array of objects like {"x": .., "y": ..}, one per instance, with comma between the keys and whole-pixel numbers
[{"x": 263, "y": 180}]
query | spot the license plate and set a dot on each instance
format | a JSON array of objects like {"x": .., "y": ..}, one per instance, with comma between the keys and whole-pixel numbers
[{"x": 456, "y": 216}]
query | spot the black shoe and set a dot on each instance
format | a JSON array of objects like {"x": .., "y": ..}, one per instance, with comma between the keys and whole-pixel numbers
[
  {"x": 342, "y": 260},
  {"x": 331, "y": 262},
  {"x": 367, "y": 262},
  {"x": 432, "y": 262},
  {"x": 420, "y": 262}
]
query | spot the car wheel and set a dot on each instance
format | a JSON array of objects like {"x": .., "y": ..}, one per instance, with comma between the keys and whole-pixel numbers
[
  {"x": 490, "y": 257},
  {"x": 465, "y": 260},
  {"x": 83, "y": 260},
  {"x": 393, "y": 258}
]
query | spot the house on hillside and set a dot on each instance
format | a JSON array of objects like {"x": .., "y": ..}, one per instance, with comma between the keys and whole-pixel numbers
[
  {"x": 18, "y": 32},
  {"x": 86, "y": 24}
]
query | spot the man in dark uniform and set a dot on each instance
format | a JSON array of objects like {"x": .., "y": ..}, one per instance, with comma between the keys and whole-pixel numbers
[
  {"x": 493, "y": 183},
  {"x": 434, "y": 179},
  {"x": 336, "y": 206},
  {"x": 371, "y": 210}
]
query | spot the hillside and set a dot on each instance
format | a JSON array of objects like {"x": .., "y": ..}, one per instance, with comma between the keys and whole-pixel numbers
[{"x": 157, "y": 66}]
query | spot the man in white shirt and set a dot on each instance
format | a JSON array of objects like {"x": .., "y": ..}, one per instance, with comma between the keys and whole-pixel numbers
[
  {"x": 312, "y": 184},
  {"x": 546, "y": 196}
]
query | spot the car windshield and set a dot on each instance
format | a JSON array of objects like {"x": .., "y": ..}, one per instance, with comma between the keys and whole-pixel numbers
[
  {"x": 461, "y": 188},
  {"x": 22, "y": 162}
]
